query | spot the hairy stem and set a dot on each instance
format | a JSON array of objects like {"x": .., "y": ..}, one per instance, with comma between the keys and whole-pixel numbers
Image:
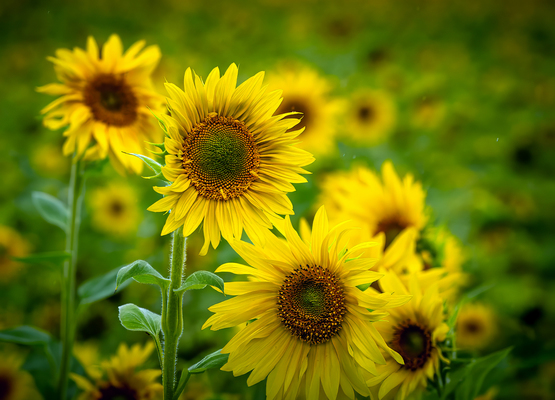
[{"x": 172, "y": 315}]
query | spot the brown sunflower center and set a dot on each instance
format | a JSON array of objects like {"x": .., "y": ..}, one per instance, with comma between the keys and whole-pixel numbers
[
  {"x": 365, "y": 113},
  {"x": 118, "y": 393},
  {"x": 298, "y": 105},
  {"x": 311, "y": 304},
  {"x": 5, "y": 387},
  {"x": 472, "y": 327},
  {"x": 116, "y": 208},
  {"x": 391, "y": 228},
  {"x": 221, "y": 158},
  {"x": 111, "y": 100},
  {"x": 413, "y": 342}
]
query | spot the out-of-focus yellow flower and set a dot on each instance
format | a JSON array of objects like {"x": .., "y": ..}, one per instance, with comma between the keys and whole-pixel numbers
[
  {"x": 306, "y": 91},
  {"x": 370, "y": 117},
  {"x": 476, "y": 326},
  {"x": 15, "y": 384},
  {"x": 414, "y": 331},
  {"x": 231, "y": 161},
  {"x": 106, "y": 99},
  {"x": 11, "y": 245},
  {"x": 303, "y": 294},
  {"x": 114, "y": 209},
  {"x": 123, "y": 379},
  {"x": 387, "y": 206}
]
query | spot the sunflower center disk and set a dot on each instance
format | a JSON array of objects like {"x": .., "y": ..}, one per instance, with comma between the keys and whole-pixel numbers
[
  {"x": 391, "y": 229},
  {"x": 298, "y": 105},
  {"x": 221, "y": 158},
  {"x": 414, "y": 343},
  {"x": 311, "y": 304},
  {"x": 111, "y": 100}
]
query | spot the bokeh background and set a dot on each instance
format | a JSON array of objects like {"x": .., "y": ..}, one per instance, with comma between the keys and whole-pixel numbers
[{"x": 464, "y": 98}]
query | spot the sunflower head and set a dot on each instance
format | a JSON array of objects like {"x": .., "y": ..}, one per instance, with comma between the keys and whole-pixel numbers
[
  {"x": 15, "y": 384},
  {"x": 476, "y": 326},
  {"x": 11, "y": 245},
  {"x": 308, "y": 92},
  {"x": 114, "y": 209},
  {"x": 105, "y": 101},
  {"x": 122, "y": 380},
  {"x": 302, "y": 300},
  {"x": 414, "y": 330},
  {"x": 230, "y": 160}
]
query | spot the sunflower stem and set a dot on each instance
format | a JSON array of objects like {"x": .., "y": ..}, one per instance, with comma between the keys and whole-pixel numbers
[
  {"x": 67, "y": 332},
  {"x": 172, "y": 315}
]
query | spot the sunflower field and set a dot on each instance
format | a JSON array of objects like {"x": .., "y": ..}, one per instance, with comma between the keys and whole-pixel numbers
[{"x": 227, "y": 200}]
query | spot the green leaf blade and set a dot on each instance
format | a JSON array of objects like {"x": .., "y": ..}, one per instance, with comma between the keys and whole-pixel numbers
[
  {"x": 51, "y": 209},
  {"x": 135, "y": 318},
  {"x": 213, "y": 360},
  {"x": 142, "y": 272},
  {"x": 26, "y": 335},
  {"x": 51, "y": 257},
  {"x": 199, "y": 280},
  {"x": 152, "y": 164},
  {"x": 99, "y": 287}
]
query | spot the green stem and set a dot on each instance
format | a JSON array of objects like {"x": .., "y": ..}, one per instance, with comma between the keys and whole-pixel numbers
[
  {"x": 75, "y": 200},
  {"x": 172, "y": 315}
]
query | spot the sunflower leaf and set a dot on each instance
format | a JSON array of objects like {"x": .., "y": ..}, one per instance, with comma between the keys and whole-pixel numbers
[
  {"x": 213, "y": 360},
  {"x": 27, "y": 335},
  {"x": 52, "y": 257},
  {"x": 99, "y": 287},
  {"x": 152, "y": 164},
  {"x": 51, "y": 209},
  {"x": 201, "y": 279},
  {"x": 135, "y": 318},
  {"x": 142, "y": 272},
  {"x": 183, "y": 379}
]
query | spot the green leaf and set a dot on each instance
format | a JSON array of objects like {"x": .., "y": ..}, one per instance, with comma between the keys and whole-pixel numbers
[
  {"x": 183, "y": 379},
  {"x": 135, "y": 318},
  {"x": 99, "y": 287},
  {"x": 154, "y": 165},
  {"x": 199, "y": 280},
  {"x": 51, "y": 209},
  {"x": 213, "y": 360},
  {"x": 142, "y": 272},
  {"x": 467, "y": 381},
  {"x": 26, "y": 335},
  {"x": 51, "y": 257}
]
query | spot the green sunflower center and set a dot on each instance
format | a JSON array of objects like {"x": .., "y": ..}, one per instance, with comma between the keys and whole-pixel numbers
[
  {"x": 311, "y": 304},
  {"x": 413, "y": 342},
  {"x": 111, "y": 100},
  {"x": 221, "y": 158}
]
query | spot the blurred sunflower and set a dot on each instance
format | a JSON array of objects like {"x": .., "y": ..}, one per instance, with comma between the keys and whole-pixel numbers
[
  {"x": 15, "y": 384},
  {"x": 414, "y": 331},
  {"x": 11, "y": 245},
  {"x": 305, "y": 91},
  {"x": 123, "y": 381},
  {"x": 476, "y": 326},
  {"x": 106, "y": 99},
  {"x": 307, "y": 308},
  {"x": 114, "y": 209},
  {"x": 370, "y": 117},
  {"x": 231, "y": 161},
  {"x": 389, "y": 207}
]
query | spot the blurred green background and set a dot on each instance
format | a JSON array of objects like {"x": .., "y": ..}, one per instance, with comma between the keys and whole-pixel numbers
[{"x": 473, "y": 91}]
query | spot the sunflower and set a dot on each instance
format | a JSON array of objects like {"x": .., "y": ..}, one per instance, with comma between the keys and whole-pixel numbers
[
  {"x": 15, "y": 384},
  {"x": 231, "y": 161},
  {"x": 304, "y": 304},
  {"x": 123, "y": 381},
  {"x": 11, "y": 245},
  {"x": 414, "y": 331},
  {"x": 114, "y": 209},
  {"x": 370, "y": 116},
  {"x": 389, "y": 207},
  {"x": 476, "y": 326},
  {"x": 306, "y": 91},
  {"x": 106, "y": 99}
]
